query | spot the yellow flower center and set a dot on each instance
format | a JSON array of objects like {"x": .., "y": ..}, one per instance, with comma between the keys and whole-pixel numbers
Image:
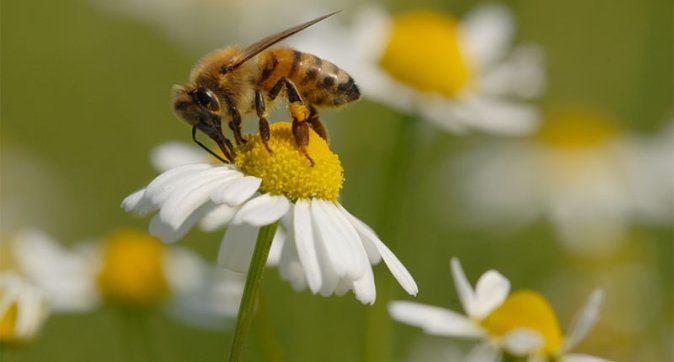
[
  {"x": 424, "y": 51},
  {"x": 132, "y": 272},
  {"x": 287, "y": 171},
  {"x": 576, "y": 128},
  {"x": 8, "y": 323},
  {"x": 527, "y": 309}
]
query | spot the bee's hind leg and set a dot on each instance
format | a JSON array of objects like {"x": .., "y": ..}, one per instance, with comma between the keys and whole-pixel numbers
[
  {"x": 261, "y": 109},
  {"x": 316, "y": 124},
  {"x": 299, "y": 111}
]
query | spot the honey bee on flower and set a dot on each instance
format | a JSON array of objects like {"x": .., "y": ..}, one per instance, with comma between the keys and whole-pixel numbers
[{"x": 326, "y": 249}]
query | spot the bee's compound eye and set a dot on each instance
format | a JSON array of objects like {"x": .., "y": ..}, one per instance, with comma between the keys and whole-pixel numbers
[{"x": 207, "y": 99}]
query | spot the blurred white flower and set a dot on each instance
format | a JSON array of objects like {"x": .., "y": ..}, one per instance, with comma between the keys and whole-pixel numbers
[
  {"x": 129, "y": 268},
  {"x": 217, "y": 22},
  {"x": 521, "y": 323},
  {"x": 327, "y": 249},
  {"x": 457, "y": 74},
  {"x": 584, "y": 175},
  {"x": 23, "y": 309},
  {"x": 63, "y": 275}
]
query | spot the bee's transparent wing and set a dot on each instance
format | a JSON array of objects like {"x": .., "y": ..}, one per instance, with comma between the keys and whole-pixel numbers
[{"x": 265, "y": 43}]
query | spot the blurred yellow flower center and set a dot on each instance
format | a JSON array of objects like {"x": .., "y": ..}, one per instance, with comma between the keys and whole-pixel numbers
[
  {"x": 132, "y": 272},
  {"x": 424, "y": 51},
  {"x": 578, "y": 128},
  {"x": 8, "y": 323},
  {"x": 286, "y": 171},
  {"x": 527, "y": 309}
]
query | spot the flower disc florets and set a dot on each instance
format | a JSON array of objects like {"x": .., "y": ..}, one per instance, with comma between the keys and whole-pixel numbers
[{"x": 287, "y": 171}]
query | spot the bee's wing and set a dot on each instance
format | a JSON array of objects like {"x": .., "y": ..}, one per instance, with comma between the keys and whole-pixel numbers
[{"x": 265, "y": 43}]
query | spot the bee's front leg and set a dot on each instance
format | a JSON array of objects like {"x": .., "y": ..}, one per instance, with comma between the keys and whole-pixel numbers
[{"x": 235, "y": 125}]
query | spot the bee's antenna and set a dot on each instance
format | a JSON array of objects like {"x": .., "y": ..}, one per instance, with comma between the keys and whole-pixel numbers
[{"x": 194, "y": 137}]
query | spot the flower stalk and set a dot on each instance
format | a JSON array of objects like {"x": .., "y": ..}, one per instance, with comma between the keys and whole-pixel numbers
[{"x": 247, "y": 306}]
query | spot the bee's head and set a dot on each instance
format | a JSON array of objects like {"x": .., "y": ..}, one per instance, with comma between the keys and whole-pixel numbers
[{"x": 198, "y": 106}]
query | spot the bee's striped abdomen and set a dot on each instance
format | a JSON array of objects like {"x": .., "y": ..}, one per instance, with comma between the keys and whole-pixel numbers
[{"x": 319, "y": 82}]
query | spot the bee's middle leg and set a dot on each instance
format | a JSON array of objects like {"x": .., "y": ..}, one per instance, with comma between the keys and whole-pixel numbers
[{"x": 235, "y": 125}]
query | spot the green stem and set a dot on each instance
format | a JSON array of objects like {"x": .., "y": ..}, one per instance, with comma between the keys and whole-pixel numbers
[
  {"x": 136, "y": 334},
  {"x": 247, "y": 306},
  {"x": 379, "y": 325}
]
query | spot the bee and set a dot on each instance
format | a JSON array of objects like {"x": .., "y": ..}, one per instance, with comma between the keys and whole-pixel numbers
[{"x": 226, "y": 83}]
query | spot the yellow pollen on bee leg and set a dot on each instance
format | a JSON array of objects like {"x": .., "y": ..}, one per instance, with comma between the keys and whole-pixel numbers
[
  {"x": 286, "y": 171},
  {"x": 424, "y": 51},
  {"x": 299, "y": 111},
  {"x": 527, "y": 309},
  {"x": 132, "y": 271}
]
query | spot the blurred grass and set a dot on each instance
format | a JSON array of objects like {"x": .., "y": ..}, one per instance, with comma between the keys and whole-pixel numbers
[{"x": 89, "y": 94}]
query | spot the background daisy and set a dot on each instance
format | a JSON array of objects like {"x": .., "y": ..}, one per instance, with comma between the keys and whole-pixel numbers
[
  {"x": 457, "y": 74},
  {"x": 23, "y": 310},
  {"x": 521, "y": 323},
  {"x": 581, "y": 172},
  {"x": 130, "y": 269}
]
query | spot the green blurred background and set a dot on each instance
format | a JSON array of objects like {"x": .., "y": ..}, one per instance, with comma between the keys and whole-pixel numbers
[{"x": 86, "y": 95}]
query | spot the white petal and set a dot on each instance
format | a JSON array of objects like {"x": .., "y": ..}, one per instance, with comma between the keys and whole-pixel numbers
[
  {"x": 218, "y": 217},
  {"x": 132, "y": 202},
  {"x": 434, "y": 320},
  {"x": 262, "y": 210},
  {"x": 329, "y": 279},
  {"x": 487, "y": 33},
  {"x": 364, "y": 288},
  {"x": 395, "y": 266},
  {"x": 343, "y": 244},
  {"x": 483, "y": 352},
  {"x": 365, "y": 232},
  {"x": 584, "y": 321},
  {"x": 306, "y": 249},
  {"x": 520, "y": 75},
  {"x": 500, "y": 115},
  {"x": 202, "y": 294},
  {"x": 165, "y": 184},
  {"x": 581, "y": 358},
  {"x": 168, "y": 233},
  {"x": 173, "y": 154},
  {"x": 290, "y": 267},
  {"x": 463, "y": 288},
  {"x": 523, "y": 341},
  {"x": 182, "y": 202},
  {"x": 67, "y": 277},
  {"x": 276, "y": 246},
  {"x": 237, "y": 247},
  {"x": 240, "y": 190},
  {"x": 491, "y": 291}
]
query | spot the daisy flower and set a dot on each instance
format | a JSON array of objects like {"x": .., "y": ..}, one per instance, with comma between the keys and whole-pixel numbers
[
  {"x": 456, "y": 74},
  {"x": 521, "y": 323},
  {"x": 326, "y": 249},
  {"x": 23, "y": 309},
  {"x": 127, "y": 268},
  {"x": 581, "y": 172}
]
